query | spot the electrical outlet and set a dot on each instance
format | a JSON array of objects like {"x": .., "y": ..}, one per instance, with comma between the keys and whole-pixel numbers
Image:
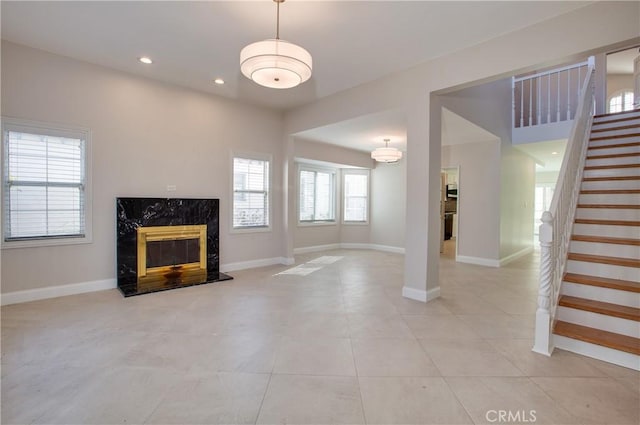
[{"x": 171, "y": 188}]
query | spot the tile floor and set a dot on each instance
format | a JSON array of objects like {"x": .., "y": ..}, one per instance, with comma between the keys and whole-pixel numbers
[{"x": 339, "y": 345}]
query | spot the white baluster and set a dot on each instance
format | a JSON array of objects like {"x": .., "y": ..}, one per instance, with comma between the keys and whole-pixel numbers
[
  {"x": 558, "y": 100},
  {"x": 538, "y": 106},
  {"x": 568, "y": 95},
  {"x": 522, "y": 103},
  {"x": 548, "y": 98}
]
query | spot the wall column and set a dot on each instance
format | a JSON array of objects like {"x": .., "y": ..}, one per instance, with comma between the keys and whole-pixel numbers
[{"x": 423, "y": 197}]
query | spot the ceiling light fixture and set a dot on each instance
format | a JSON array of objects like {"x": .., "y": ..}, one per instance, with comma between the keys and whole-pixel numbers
[
  {"x": 219, "y": 81},
  {"x": 146, "y": 60},
  {"x": 554, "y": 153},
  {"x": 386, "y": 154},
  {"x": 276, "y": 63}
]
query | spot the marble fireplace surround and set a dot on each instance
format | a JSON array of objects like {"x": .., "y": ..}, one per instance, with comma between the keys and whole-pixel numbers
[{"x": 133, "y": 214}]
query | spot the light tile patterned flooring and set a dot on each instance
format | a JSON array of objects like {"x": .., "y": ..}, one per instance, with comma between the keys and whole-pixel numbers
[{"x": 339, "y": 345}]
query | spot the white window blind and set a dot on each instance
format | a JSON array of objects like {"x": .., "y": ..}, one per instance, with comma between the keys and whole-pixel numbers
[
  {"x": 250, "y": 193},
  {"x": 355, "y": 197},
  {"x": 317, "y": 195},
  {"x": 44, "y": 186}
]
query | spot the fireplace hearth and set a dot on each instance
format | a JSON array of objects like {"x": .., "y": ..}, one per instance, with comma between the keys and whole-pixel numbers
[{"x": 166, "y": 244}]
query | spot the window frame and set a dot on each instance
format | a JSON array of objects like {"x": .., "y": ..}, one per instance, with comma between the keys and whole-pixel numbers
[
  {"x": 56, "y": 130},
  {"x": 336, "y": 184},
  {"x": 256, "y": 157},
  {"x": 360, "y": 172},
  {"x": 620, "y": 93}
]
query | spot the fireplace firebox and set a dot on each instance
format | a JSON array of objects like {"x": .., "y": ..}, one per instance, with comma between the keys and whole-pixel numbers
[{"x": 166, "y": 244}]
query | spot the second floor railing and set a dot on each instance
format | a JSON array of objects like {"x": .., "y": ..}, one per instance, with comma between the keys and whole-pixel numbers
[{"x": 548, "y": 97}]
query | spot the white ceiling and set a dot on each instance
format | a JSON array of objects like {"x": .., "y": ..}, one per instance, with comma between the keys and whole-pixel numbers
[
  {"x": 191, "y": 43},
  {"x": 543, "y": 153},
  {"x": 352, "y": 42}
]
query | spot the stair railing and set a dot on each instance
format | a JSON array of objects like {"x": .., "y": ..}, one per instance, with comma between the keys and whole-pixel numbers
[{"x": 557, "y": 223}]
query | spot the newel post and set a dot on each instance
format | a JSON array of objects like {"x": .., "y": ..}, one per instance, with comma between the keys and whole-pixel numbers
[{"x": 543, "y": 313}]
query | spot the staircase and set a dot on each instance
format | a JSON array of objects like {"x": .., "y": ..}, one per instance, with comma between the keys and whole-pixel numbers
[{"x": 598, "y": 311}]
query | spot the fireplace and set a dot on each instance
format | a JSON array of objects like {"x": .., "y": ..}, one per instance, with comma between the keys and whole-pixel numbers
[{"x": 166, "y": 244}]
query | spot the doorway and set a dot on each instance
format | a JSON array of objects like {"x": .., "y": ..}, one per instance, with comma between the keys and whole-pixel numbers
[{"x": 450, "y": 201}]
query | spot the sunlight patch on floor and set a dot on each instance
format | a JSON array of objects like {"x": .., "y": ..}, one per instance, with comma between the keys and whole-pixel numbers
[{"x": 311, "y": 266}]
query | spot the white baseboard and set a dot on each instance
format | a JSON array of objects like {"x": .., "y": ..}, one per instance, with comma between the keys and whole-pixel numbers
[
  {"x": 56, "y": 291},
  {"x": 506, "y": 260},
  {"x": 101, "y": 285},
  {"x": 387, "y": 248},
  {"x": 251, "y": 264},
  {"x": 478, "y": 261},
  {"x": 316, "y": 248},
  {"x": 414, "y": 294},
  {"x": 346, "y": 245}
]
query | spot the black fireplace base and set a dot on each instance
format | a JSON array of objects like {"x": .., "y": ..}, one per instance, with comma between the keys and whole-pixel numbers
[{"x": 164, "y": 284}]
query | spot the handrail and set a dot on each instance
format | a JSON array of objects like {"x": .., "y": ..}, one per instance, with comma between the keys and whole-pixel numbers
[
  {"x": 552, "y": 71},
  {"x": 557, "y": 223}
]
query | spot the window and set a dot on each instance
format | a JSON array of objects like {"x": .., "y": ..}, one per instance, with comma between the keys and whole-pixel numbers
[
  {"x": 317, "y": 195},
  {"x": 356, "y": 202},
  {"x": 250, "y": 193},
  {"x": 623, "y": 101},
  {"x": 44, "y": 179}
]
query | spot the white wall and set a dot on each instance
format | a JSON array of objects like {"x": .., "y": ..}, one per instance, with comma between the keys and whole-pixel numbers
[
  {"x": 478, "y": 197},
  {"x": 517, "y": 193},
  {"x": 145, "y": 135},
  {"x": 388, "y": 204},
  {"x": 617, "y": 82}
]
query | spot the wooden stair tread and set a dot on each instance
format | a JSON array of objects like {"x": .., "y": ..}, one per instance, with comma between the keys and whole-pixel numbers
[
  {"x": 614, "y": 155},
  {"x": 615, "y": 136},
  {"x": 594, "y": 306},
  {"x": 611, "y": 206},
  {"x": 601, "y": 259},
  {"x": 614, "y": 145},
  {"x": 605, "y": 239},
  {"x": 610, "y": 178},
  {"x": 622, "y": 127},
  {"x": 607, "y": 222},
  {"x": 603, "y": 282},
  {"x": 615, "y": 120},
  {"x": 599, "y": 337},
  {"x": 609, "y": 191},
  {"x": 607, "y": 167}
]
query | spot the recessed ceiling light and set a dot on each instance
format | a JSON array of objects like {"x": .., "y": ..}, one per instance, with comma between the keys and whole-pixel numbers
[
  {"x": 146, "y": 60},
  {"x": 554, "y": 153},
  {"x": 219, "y": 81}
]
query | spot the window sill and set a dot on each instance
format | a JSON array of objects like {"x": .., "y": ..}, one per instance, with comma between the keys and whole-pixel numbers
[
  {"x": 316, "y": 223},
  {"x": 355, "y": 223},
  {"x": 37, "y": 243},
  {"x": 241, "y": 230}
]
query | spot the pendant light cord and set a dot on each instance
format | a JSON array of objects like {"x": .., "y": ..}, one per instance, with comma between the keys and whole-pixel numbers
[{"x": 278, "y": 20}]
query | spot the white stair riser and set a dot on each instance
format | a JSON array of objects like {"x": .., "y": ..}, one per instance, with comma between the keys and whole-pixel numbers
[
  {"x": 604, "y": 270},
  {"x": 605, "y": 249},
  {"x": 599, "y": 321},
  {"x": 614, "y": 151},
  {"x": 599, "y": 124},
  {"x": 624, "y": 160},
  {"x": 608, "y": 142},
  {"x": 597, "y": 293},
  {"x": 611, "y": 184},
  {"x": 612, "y": 172},
  {"x": 631, "y": 232},
  {"x": 616, "y": 130},
  {"x": 617, "y": 116},
  {"x": 599, "y": 352},
  {"x": 608, "y": 198},
  {"x": 608, "y": 214}
]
